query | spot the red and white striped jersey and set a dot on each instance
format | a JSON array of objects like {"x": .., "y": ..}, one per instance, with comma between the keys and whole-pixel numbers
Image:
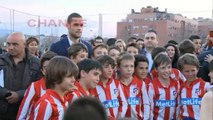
[
  {"x": 112, "y": 97},
  {"x": 77, "y": 93},
  {"x": 49, "y": 107},
  {"x": 137, "y": 99},
  {"x": 147, "y": 81},
  {"x": 190, "y": 98},
  {"x": 164, "y": 100},
  {"x": 32, "y": 95},
  {"x": 175, "y": 74}
]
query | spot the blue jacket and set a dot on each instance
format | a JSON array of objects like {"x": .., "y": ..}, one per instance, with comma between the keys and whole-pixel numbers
[{"x": 61, "y": 47}]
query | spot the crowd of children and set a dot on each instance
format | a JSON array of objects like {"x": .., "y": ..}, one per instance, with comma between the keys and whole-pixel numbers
[
  {"x": 120, "y": 81},
  {"x": 124, "y": 87},
  {"x": 137, "y": 81}
]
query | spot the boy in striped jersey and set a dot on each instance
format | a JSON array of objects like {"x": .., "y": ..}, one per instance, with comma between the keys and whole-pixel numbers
[
  {"x": 88, "y": 78},
  {"x": 175, "y": 73},
  {"x": 135, "y": 92},
  {"x": 77, "y": 52},
  {"x": 109, "y": 91},
  {"x": 141, "y": 69},
  {"x": 35, "y": 90},
  {"x": 59, "y": 79},
  {"x": 193, "y": 89},
  {"x": 163, "y": 91}
]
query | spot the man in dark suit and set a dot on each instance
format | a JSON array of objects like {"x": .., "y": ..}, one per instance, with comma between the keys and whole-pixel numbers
[{"x": 75, "y": 26}]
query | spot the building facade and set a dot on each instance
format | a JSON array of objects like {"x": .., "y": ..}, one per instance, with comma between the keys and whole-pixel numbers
[
  {"x": 204, "y": 26},
  {"x": 168, "y": 26}
]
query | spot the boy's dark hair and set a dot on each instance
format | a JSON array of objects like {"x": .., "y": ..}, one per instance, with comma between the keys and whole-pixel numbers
[
  {"x": 58, "y": 68},
  {"x": 192, "y": 37},
  {"x": 161, "y": 59},
  {"x": 72, "y": 15},
  {"x": 156, "y": 51},
  {"x": 110, "y": 42},
  {"x": 140, "y": 58},
  {"x": 101, "y": 46},
  {"x": 153, "y": 31},
  {"x": 139, "y": 39},
  {"x": 132, "y": 45},
  {"x": 88, "y": 65},
  {"x": 114, "y": 47},
  {"x": 74, "y": 49},
  {"x": 99, "y": 37},
  {"x": 124, "y": 56},
  {"x": 186, "y": 46},
  {"x": 92, "y": 41},
  {"x": 106, "y": 59},
  {"x": 131, "y": 38},
  {"x": 86, "y": 108},
  {"x": 211, "y": 66},
  {"x": 47, "y": 56},
  {"x": 188, "y": 59}
]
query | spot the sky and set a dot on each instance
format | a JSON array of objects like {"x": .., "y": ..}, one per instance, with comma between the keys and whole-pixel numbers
[{"x": 112, "y": 11}]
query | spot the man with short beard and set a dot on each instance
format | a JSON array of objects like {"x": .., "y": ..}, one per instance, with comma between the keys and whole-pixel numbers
[
  {"x": 150, "y": 42},
  {"x": 75, "y": 27}
]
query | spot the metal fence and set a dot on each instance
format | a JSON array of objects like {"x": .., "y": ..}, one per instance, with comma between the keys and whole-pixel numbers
[{"x": 13, "y": 20}]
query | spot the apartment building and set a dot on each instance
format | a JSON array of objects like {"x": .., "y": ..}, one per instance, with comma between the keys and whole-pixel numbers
[{"x": 168, "y": 26}]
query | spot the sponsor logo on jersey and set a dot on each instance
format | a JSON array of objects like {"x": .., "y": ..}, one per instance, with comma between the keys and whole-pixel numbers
[
  {"x": 190, "y": 101},
  {"x": 165, "y": 103},
  {"x": 133, "y": 101},
  {"x": 111, "y": 103}
]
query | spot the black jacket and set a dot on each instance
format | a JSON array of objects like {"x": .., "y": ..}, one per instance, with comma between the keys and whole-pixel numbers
[
  {"x": 31, "y": 73},
  {"x": 204, "y": 66}
]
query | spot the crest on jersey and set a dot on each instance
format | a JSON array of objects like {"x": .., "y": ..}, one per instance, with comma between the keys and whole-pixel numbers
[
  {"x": 135, "y": 91},
  {"x": 174, "y": 93},
  {"x": 198, "y": 91},
  {"x": 116, "y": 92},
  {"x": 172, "y": 75}
]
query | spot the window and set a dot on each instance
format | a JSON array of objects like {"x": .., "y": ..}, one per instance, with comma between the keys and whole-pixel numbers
[
  {"x": 136, "y": 34},
  {"x": 135, "y": 27},
  {"x": 130, "y": 20},
  {"x": 144, "y": 27}
]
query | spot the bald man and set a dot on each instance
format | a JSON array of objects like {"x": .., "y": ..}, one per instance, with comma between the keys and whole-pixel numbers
[{"x": 17, "y": 70}]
